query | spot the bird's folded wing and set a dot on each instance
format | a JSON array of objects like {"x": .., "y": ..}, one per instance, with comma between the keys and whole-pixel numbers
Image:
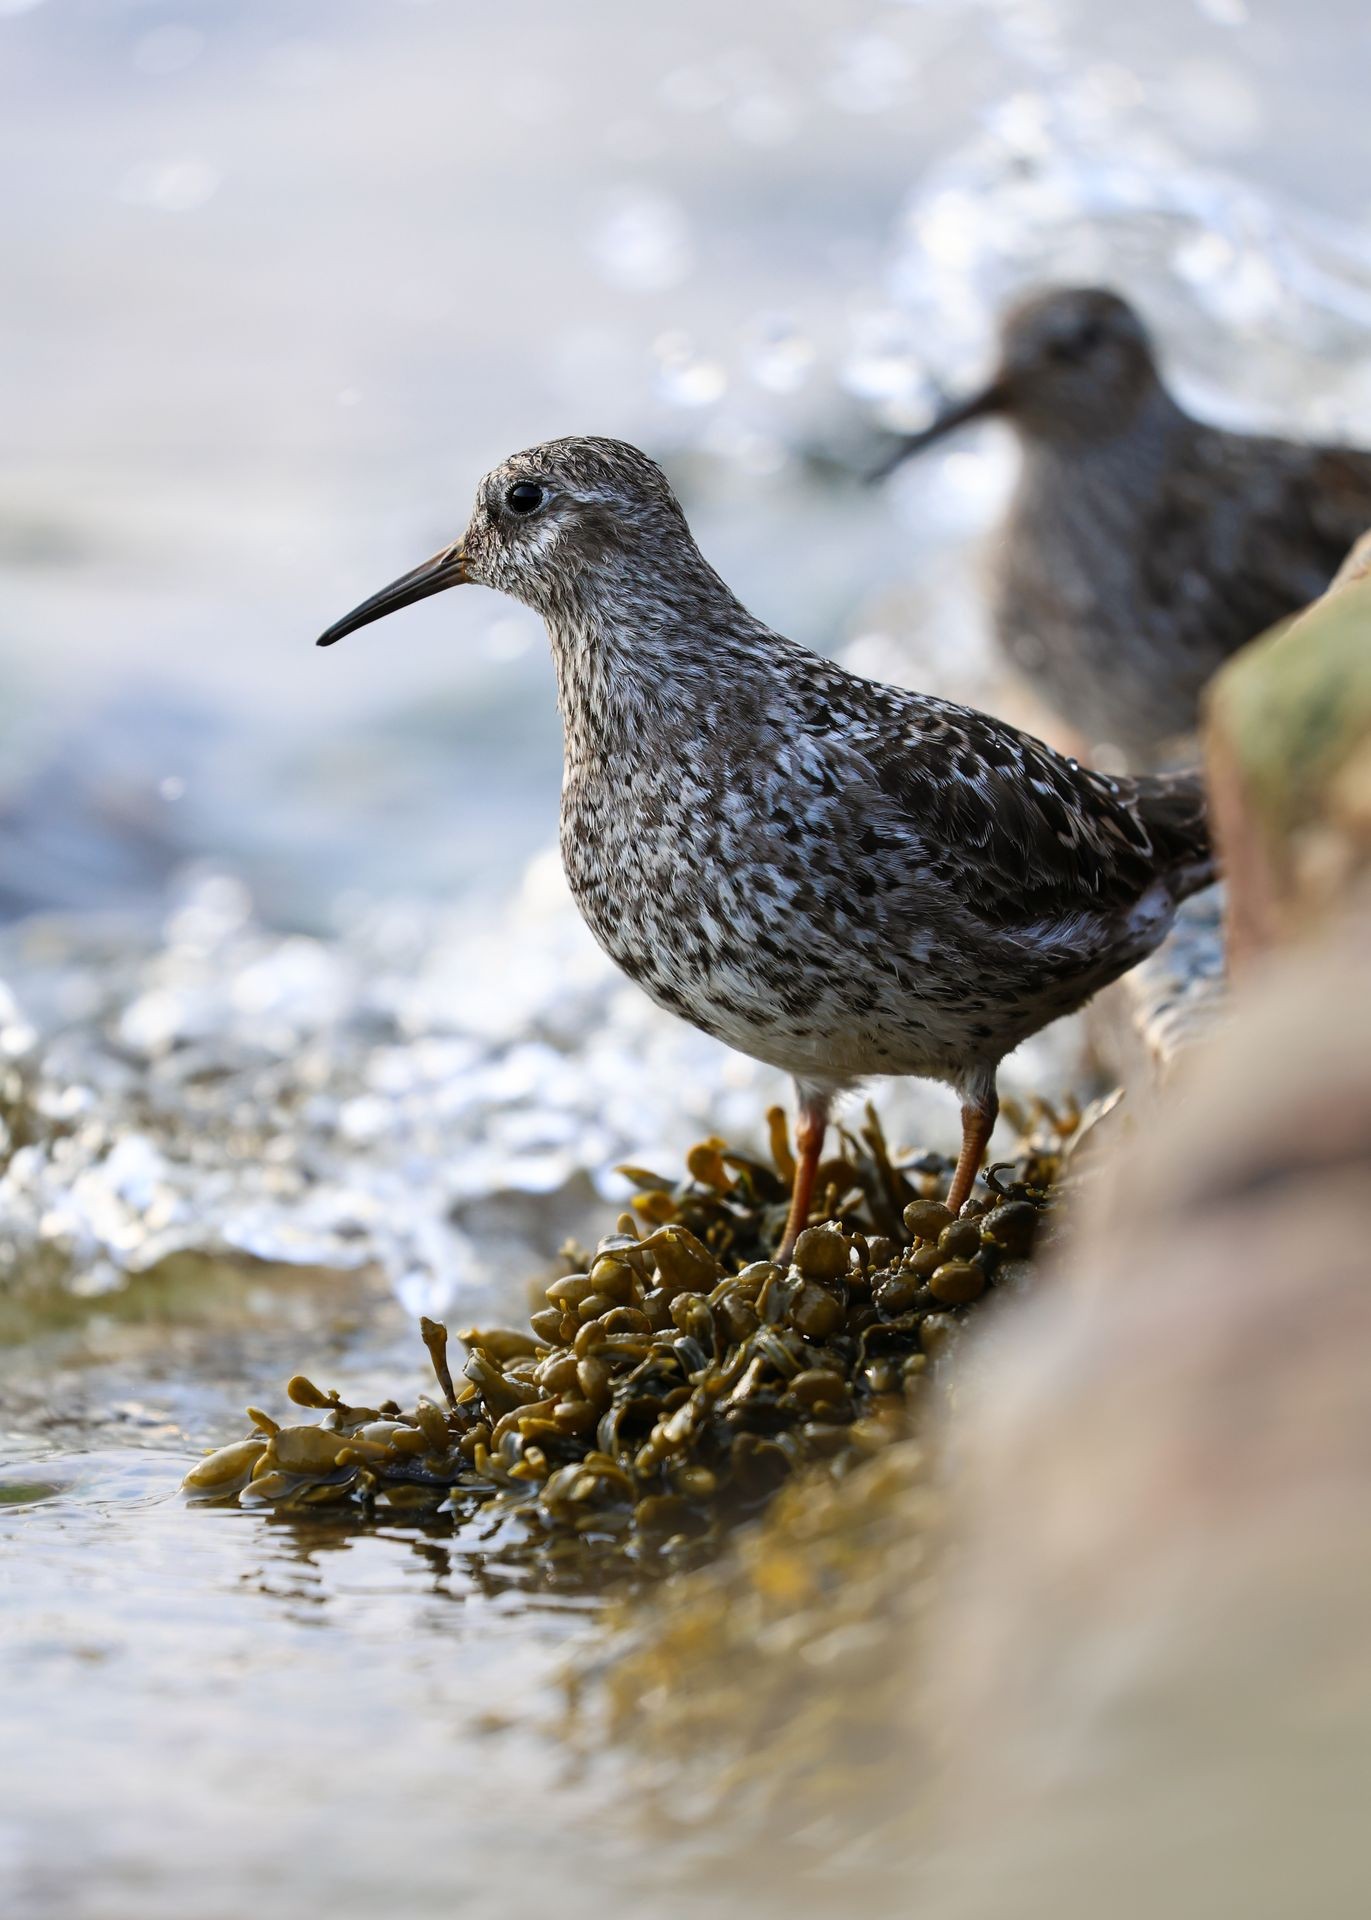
[
  {"x": 1038, "y": 839},
  {"x": 1260, "y": 524}
]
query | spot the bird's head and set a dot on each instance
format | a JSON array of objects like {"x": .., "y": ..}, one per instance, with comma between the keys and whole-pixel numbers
[
  {"x": 1074, "y": 362},
  {"x": 1075, "y": 365},
  {"x": 550, "y": 526}
]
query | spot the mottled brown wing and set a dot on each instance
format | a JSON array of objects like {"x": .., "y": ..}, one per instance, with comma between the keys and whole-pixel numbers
[
  {"x": 1037, "y": 839},
  {"x": 1264, "y": 523}
]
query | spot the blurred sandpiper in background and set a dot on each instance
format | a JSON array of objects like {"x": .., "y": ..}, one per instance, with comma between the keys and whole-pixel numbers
[{"x": 288, "y": 971}]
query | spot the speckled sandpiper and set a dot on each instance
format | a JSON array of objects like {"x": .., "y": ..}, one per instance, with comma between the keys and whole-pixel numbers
[
  {"x": 838, "y": 877},
  {"x": 1142, "y": 546}
]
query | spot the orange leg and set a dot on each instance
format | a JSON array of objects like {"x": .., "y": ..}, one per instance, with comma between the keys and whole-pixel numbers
[
  {"x": 978, "y": 1123},
  {"x": 811, "y": 1124}
]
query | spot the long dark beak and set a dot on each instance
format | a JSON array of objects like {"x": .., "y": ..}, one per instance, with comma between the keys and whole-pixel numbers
[
  {"x": 444, "y": 570},
  {"x": 992, "y": 399}
]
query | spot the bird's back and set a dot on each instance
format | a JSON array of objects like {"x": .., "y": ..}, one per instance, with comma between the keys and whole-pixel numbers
[
  {"x": 1127, "y": 577},
  {"x": 821, "y": 855}
]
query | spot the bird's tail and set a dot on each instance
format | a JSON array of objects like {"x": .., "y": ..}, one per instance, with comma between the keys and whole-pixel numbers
[{"x": 1174, "y": 808}]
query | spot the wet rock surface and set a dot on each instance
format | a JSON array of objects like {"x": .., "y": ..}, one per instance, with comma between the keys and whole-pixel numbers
[{"x": 1155, "y": 1624}]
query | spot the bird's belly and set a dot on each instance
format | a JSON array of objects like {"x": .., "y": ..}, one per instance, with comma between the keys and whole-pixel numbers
[{"x": 819, "y": 996}]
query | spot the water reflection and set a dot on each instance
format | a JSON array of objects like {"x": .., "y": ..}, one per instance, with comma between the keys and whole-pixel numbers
[
  {"x": 297, "y": 1681},
  {"x": 482, "y": 1559}
]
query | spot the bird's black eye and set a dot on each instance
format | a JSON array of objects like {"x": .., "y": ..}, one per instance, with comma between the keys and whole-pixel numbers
[
  {"x": 1088, "y": 336},
  {"x": 525, "y": 497}
]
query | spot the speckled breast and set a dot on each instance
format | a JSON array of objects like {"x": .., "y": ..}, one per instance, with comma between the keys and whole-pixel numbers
[
  {"x": 647, "y": 882},
  {"x": 699, "y": 906}
]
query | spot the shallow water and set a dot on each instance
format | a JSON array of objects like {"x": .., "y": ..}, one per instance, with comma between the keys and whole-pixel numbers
[
  {"x": 201, "y": 1713},
  {"x": 218, "y": 1713},
  {"x": 297, "y": 1057}
]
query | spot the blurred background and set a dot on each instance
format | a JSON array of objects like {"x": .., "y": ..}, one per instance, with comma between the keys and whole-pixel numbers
[
  {"x": 289, "y": 983},
  {"x": 284, "y": 279}
]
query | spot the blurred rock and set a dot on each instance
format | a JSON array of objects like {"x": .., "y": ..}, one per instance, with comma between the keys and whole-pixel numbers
[
  {"x": 1153, "y": 1682},
  {"x": 1289, "y": 751}
]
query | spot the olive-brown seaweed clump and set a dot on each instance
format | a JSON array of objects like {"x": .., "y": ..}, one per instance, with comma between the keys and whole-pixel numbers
[{"x": 677, "y": 1377}]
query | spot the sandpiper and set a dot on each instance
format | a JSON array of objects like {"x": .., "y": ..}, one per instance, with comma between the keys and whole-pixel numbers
[
  {"x": 841, "y": 878},
  {"x": 1142, "y": 546}
]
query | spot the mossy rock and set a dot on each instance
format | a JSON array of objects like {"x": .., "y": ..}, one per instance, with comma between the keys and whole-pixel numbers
[{"x": 1289, "y": 749}]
